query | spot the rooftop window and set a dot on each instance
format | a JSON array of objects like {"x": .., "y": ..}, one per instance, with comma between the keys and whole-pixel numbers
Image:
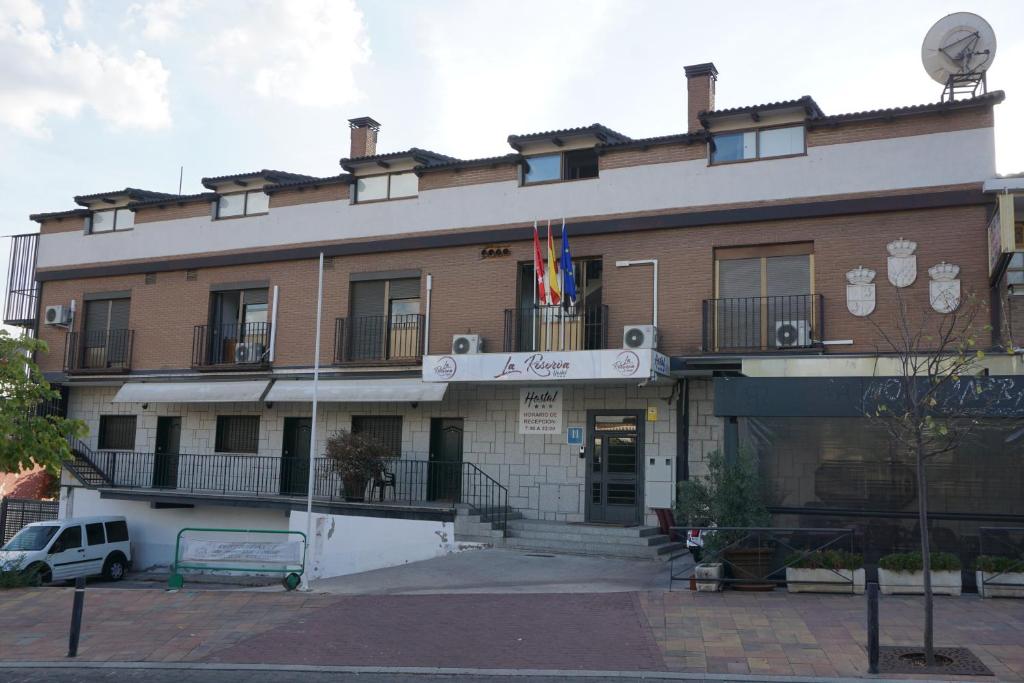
[
  {"x": 547, "y": 168},
  {"x": 388, "y": 186},
  {"x": 111, "y": 220},
  {"x": 243, "y": 204},
  {"x": 765, "y": 143}
]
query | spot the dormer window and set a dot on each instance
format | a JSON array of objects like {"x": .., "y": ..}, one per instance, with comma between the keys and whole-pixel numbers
[
  {"x": 550, "y": 168},
  {"x": 765, "y": 143},
  {"x": 243, "y": 204},
  {"x": 378, "y": 188},
  {"x": 111, "y": 220}
]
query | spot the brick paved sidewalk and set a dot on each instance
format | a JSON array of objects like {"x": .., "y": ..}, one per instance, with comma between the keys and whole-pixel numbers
[
  {"x": 778, "y": 633},
  {"x": 740, "y": 633}
]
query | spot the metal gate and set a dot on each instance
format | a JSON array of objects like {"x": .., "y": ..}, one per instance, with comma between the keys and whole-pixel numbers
[{"x": 15, "y": 513}]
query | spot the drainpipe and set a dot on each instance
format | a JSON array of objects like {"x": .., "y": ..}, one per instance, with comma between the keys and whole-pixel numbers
[
  {"x": 683, "y": 431},
  {"x": 426, "y": 319},
  {"x": 273, "y": 328}
]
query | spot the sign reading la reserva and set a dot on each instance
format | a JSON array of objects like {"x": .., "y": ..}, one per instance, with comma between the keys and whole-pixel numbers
[{"x": 621, "y": 364}]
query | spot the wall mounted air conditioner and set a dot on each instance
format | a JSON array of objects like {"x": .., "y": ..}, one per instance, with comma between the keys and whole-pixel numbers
[
  {"x": 57, "y": 315},
  {"x": 640, "y": 337},
  {"x": 792, "y": 333},
  {"x": 467, "y": 343},
  {"x": 249, "y": 352}
]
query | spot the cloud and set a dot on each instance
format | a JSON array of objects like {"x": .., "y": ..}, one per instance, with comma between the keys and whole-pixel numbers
[
  {"x": 160, "y": 18},
  {"x": 74, "y": 16},
  {"x": 45, "y": 75},
  {"x": 302, "y": 52}
]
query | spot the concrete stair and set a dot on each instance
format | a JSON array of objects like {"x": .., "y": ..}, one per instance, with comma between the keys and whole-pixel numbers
[{"x": 637, "y": 542}]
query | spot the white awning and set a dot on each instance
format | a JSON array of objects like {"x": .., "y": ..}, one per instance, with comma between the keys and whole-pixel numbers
[
  {"x": 357, "y": 391},
  {"x": 250, "y": 391}
]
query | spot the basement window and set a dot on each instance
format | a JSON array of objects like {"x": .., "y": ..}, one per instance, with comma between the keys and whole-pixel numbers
[{"x": 243, "y": 204}]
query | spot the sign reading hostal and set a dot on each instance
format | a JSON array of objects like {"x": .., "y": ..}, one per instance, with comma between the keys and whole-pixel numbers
[
  {"x": 540, "y": 410},
  {"x": 617, "y": 364}
]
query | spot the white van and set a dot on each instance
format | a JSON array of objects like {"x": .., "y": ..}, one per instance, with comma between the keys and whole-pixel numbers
[{"x": 66, "y": 549}]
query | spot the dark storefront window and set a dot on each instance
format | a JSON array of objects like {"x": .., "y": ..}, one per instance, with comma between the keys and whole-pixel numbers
[
  {"x": 825, "y": 472},
  {"x": 238, "y": 434},
  {"x": 387, "y": 429},
  {"x": 117, "y": 432}
]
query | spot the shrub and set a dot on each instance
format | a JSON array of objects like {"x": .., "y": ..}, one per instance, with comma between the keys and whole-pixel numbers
[
  {"x": 911, "y": 562},
  {"x": 998, "y": 564},
  {"x": 12, "y": 575},
  {"x": 357, "y": 458},
  {"x": 827, "y": 559}
]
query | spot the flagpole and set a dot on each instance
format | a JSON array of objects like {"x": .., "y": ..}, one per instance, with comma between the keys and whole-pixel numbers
[
  {"x": 561, "y": 283},
  {"x": 312, "y": 436},
  {"x": 533, "y": 312}
]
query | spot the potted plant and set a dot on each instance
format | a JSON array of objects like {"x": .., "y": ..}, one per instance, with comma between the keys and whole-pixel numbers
[
  {"x": 999, "y": 576},
  {"x": 903, "y": 573},
  {"x": 730, "y": 495},
  {"x": 357, "y": 459},
  {"x": 826, "y": 571}
]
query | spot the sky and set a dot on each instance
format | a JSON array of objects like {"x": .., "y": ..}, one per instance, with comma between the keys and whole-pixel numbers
[{"x": 97, "y": 95}]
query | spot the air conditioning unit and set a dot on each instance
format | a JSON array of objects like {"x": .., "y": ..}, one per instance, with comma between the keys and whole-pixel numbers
[
  {"x": 640, "y": 337},
  {"x": 249, "y": 352},
  {"x": 57, "y": 315},
  {"x": 467, "y": 343},
  {"x": 792, "y": 333}
]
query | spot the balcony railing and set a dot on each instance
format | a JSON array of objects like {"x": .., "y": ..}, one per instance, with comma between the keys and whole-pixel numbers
[
  {"x": 556, "y": 328},
  {"x": 101, "y": 351},
  {"x": 765, "y": 323},
  {"x": 399, "y": 482},
  {"x": 22, "y": 289},
  {"x": 232, "y": 345},
  {"x": 379, "y": 338}
]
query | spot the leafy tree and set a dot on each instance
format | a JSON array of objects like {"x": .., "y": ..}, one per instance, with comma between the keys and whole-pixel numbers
[
  {"x": 933, "y": 403},
  {"x": 28, "y": 436}
]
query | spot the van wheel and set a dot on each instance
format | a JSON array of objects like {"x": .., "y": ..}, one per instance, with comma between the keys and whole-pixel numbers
[
  {"x": 115, "y": 567},
  {"x": 39, "y": 575}
]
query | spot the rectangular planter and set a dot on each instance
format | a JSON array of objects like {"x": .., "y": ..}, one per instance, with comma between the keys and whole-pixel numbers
[
  {"x": 994, "y": 589},
  {"x": 800, "y": 580},
  {"x": 912, "y": 583},
  {"x": 709, "y": 577}
]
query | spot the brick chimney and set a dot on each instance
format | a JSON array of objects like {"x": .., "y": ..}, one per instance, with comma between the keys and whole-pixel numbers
[
  {"x": 364, "y": 137},
  {"x": 700, "y": 92}
]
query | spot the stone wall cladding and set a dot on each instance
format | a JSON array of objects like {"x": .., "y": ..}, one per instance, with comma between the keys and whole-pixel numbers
[
  {"x": 545, "y": 476},
  {"x": 707, "y": 431},
  {"x": 471, "y": 293}
]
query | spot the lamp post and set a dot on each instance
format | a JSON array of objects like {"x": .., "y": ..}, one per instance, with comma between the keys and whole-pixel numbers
[{"x": 646, "y": 262}]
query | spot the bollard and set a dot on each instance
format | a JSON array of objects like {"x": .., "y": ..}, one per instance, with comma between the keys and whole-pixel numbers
[
  {"x": 872, "y": 592},
  {"x": 76, "y": 617}
]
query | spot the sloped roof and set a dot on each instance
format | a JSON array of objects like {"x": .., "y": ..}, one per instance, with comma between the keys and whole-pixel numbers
[
  {"x": 133, "y": 193},
  {"x": 994, "y": 97},
  {"x": 511, "y": 158},
  {"x": 266, "y": 173},
  {"x": 601, "y": 132},
  {"x": 422, "y": 156},
  {"x": 806, "y": 102},
  {"x": 175, "y": 199},
  {"x": 69, "y": 213},
  {"x": 640, "y": 143},
  {"x": 340, "y": 179}
]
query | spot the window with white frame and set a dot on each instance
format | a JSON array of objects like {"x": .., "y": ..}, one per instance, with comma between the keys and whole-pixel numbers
[
  {"x": 764, "y": 143},
  {"x": 378, "y": 188},
  {"x": 243, "y": 204},
  {"x": 111, "y": 220}
]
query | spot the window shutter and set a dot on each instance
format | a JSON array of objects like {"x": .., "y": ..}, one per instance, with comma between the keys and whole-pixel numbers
[
  {"x": 97, "y": 316},
  {"x": 739, "y": 278},
  {"x": 407, "y": 288},
  {"x": 367, "y": 298},
  {"x": 119, "y": 311},
  {"x": 788, "y": 275}
]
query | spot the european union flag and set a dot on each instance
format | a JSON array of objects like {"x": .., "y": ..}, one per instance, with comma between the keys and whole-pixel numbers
[{"x": 568, "y": 272}]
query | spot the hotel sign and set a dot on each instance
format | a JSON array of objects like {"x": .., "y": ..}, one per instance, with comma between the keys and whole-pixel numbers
[
  {"x": 540, "y": 410},
  {"x": 616, "y": 364}
]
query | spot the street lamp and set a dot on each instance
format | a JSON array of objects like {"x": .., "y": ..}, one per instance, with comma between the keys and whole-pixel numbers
[{"x": 646, "y": 262}]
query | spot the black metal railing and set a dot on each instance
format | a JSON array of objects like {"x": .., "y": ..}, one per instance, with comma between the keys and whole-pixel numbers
[
  {"x": 105, "y": 350},
  {"x": 763, "y": 323},
  {"x": 376, "y": 338},
  {"x": 762, "y": 555},
  {"x": 244, "y": 344},
  {"x": 398, "y": 482},
  {"x": 22, "y": 289},
  {"x": 556, "y": 328}
]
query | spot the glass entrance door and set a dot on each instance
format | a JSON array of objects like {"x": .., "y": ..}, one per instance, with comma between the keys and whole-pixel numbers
[{"x": 614, "y": 457}]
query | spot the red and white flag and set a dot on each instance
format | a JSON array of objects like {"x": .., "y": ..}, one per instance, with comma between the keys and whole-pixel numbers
[{"x": 538, "y": 267}]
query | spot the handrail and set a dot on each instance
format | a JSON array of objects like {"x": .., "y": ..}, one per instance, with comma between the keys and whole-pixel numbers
[
  {"x": 495, "y": 494},
  {"x": 81, "y": 451}
]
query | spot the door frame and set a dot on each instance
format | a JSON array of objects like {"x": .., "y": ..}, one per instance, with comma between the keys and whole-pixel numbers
[
  {"x": 434, "y": 481},
  {"x": 641, "y": 470},
  {"x": 173, "y": 457},
  {"x": 287, "y": 462}
]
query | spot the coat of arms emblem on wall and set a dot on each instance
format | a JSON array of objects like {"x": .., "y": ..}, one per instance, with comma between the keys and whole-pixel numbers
[
  {"x": 860, "y": 292},
  {"x": 902, "y": 262},
  {"x": 944, "y": 289}
]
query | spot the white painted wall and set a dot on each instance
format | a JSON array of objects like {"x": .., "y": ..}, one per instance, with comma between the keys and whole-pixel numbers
[
  {"x": 875, "y": 165},
  {"x": 343, "y": 545},
  {"x": 153, "y": 532}
]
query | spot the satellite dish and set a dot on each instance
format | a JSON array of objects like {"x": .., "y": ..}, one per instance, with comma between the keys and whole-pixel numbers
[{"x": 959, "y": 48}]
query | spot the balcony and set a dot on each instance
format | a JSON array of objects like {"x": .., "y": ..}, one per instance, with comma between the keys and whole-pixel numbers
[
  {"x": 554, "y": 328},
  {"x": 244, "y": 346},
  {"x": 763, "y": 324},
  {"x": 379, "y": 339},
  {"x": 105, "y": 351},
  {"x": 20, "y": 308}
]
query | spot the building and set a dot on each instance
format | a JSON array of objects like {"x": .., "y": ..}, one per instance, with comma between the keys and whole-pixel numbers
[{"x": 730, "y": 279}]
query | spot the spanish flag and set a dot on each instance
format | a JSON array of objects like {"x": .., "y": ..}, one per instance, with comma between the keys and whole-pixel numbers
[
  {"x": 554, "y": 286},
  {"x": 538, "y": 267}
]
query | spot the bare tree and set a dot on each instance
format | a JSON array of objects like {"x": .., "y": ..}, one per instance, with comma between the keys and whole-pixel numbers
[{"x": 935, "y": 399}]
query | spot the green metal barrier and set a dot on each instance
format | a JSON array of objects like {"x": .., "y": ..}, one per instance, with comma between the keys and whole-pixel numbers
[{"x": 234, "y": 555}]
